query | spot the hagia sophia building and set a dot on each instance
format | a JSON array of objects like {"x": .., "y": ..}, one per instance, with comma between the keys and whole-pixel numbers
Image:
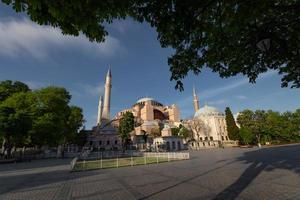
[{"x": 207, "y": 127}]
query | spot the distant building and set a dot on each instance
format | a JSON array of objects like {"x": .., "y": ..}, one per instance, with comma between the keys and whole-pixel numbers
[
  {"x": 150, "y": 116},
  {"x": 208, "y": 126}
]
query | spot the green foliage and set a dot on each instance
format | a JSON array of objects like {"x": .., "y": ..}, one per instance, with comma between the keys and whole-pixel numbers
[
  {"x": 232, "y": 129},
  {"x": 221, "y": 35},
  {"x": 80, "y": 138},
  {"x": 246, "y": 136},
  {"x": 36, "y": 118},
  {"x": 175, "y": 131},
  {"x": 184, "y": 132},
  {"x": 8, "y": 88},
  {"x": 270, "y": 126},
  {"x": 125, "y": 127}
]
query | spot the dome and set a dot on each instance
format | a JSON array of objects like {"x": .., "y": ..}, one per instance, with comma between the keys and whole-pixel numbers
[
  {"x": 208, "y": 111},
  {"x": 153, "y": 102},
  {"x": 145, "y": 99}
]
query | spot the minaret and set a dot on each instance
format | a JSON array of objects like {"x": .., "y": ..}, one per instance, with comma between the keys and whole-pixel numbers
[
  {"x": 106, "y": 105},
  {"x": 196, "y": 100},
  {"x": 100, "y": 107}
]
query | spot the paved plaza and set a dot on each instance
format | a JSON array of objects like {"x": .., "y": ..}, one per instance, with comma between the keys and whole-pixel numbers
[{"x": 230, "y": 173}]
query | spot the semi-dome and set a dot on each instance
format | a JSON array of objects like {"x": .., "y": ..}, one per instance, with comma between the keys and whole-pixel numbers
[{"x": 208, "y": 111}]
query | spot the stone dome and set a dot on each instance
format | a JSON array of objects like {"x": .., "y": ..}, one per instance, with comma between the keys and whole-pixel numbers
[
  {"x": 145, "y": 99},
  {"x": 208, "y": 111},
  {"x": 153, "y": 102}
]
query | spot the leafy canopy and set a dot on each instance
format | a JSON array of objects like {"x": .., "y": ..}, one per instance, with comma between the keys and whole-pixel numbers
[
  {"x": 228, "y": 36},
  {"x": 126, "y": 125}
]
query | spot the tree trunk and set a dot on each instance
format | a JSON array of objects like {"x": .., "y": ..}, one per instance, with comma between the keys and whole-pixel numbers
[{"x": 3, "y": 146}]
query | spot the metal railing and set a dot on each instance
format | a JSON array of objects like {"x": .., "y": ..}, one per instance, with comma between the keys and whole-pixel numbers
[{"x": 122, "y": 159}]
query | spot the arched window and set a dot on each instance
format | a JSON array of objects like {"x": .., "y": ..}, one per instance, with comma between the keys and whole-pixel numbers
[
  {"x": 201, "y": 138},
  {"x": 158, "y": 115},
  {"x": 116, "y": 141},
  {"x": 107, "y": 142},
  {"x": 173, "y": 145},
  {"x": 206, "y": 138},
  {"x": 211, "y": 138},
  {"x": 100, "y": 143}
]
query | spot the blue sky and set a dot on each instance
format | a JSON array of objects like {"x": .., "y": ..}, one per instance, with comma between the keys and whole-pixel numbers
[{"x": 42, "y": 56}]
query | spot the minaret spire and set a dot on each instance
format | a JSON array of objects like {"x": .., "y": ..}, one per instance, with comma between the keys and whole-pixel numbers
[
  {"x": 196, "y": 100},
  {"x": 107, "y": 94},
  {"x": 100, "y": 107}
]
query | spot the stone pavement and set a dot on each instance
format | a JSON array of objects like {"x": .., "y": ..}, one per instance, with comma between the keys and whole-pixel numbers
[{"x": 230, "y": 173}]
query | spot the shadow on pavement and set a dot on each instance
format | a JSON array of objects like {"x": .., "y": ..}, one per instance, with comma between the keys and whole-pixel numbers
[{"x": 268, "y": 159}]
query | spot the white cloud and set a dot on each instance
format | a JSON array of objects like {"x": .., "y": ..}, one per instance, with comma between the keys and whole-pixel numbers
[
  {"x": 122, "y": 26},
  {"x": 241, "y": 97},
  {"x": 218, "y": 102},
  {"x": 35, "y": 84},
  {"x": 214, "y": 92},
  {"x": 19, "y": 37},
  {"x": 90, "y": 90}
]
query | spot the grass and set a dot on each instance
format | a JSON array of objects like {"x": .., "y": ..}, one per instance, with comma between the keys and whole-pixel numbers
[{"x": 120, "y": 162}]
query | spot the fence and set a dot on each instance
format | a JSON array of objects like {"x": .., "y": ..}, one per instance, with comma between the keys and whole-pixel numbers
[{"x": 135, "y": 158}]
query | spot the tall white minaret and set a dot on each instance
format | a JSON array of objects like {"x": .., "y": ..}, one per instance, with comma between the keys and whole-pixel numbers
[
  {"x": 100, "y": 107},
  {"x": 196, "y": 100},
  {"x": 107, "y": 93}
]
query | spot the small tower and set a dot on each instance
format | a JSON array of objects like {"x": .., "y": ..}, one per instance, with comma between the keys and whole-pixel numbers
[
  {"x": 107, "y": 94},
  {"x": 100, "y": 107},
  {"x": 196, "y": 100}
]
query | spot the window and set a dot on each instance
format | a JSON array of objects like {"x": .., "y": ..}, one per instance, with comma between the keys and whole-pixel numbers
[
  {"x": 100, "y": 143},
  {"x": 226, "y": 138},
  {"x": 222, "y": 138},
  {"x": 173, "y": 145},
  {"x": 116, "y": 141},
  {"x": 107, "y": 142},
  {"x": 206, "y": 138},
  {"x": 91, "y": 143},
  {"x": 201, "y": 138}
]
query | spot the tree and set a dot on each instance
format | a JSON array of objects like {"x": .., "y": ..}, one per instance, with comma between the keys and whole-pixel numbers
[
  {"x": 74, "y": 122},
  {"x": 50, "y": 126},
  {"x": 254, "y": 121},
  {"x": 184, "y": 132},
  {"x": 230, "y": 37},
  {"x": 155, "y": 132},
  {"x": 8, "y": 88},
  {"x": 7, "y": 127},
  {"x": 270, "y": 126},
  {"x": 198, "y": 127},
  {"x": 81, "y": 138},
  {"x": 246, "y": 137},
  {"x": 175, "y": 131},
  {"x": 24, "y": 106},
  {"x": 232, "y": 129},
  {"x": 125, "y": 127}
]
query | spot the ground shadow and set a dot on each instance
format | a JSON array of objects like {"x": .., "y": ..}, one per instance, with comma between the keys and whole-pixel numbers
[{"x": 268, "y": 159}]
